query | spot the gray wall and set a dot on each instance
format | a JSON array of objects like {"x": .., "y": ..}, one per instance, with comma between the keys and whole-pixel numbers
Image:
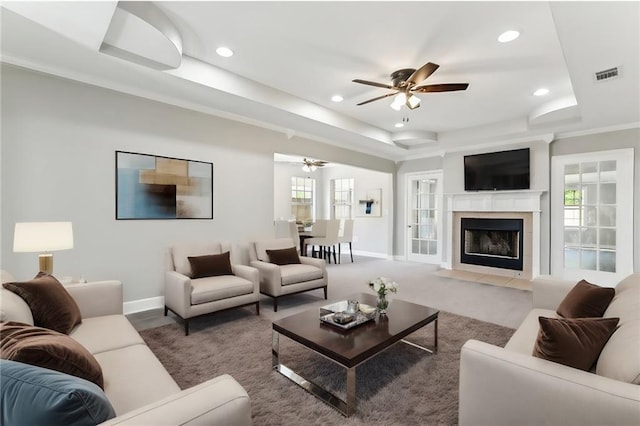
[
  {"x": 372, "y": 235},
  {"x": 57, "y": 159},
  {"x": 629, "y": 138}
]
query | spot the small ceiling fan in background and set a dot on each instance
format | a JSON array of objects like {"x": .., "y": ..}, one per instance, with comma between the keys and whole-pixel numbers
[
  {"x": 312, "y": 165},
  {"x": 404, "y": 84}
]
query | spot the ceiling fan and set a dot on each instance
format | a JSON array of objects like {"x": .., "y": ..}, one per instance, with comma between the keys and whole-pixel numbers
[
  {"x": 405, "y": 82},
  {"x": 311, "y": 165}
]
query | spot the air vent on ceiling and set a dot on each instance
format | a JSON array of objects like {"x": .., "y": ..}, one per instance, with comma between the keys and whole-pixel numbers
[{"x": 607, "y": 74}]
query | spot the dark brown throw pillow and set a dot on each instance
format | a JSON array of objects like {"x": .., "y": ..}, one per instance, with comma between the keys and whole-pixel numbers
[
  {"x": 51, "y": 304},
  {"x": 211, "y": 265},
  {"x": 576, "y": 342},
  {"x": 286, "y": 256},
  {"x": 48, "y": 349},
  {"x": 586, "y": 300}
]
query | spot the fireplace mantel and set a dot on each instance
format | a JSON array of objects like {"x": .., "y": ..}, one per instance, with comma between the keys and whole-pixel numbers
[
  {"x": 495, "y": 201},
  {"x": 488, "y": 202}
]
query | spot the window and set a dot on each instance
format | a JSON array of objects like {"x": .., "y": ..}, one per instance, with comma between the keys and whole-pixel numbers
[
  {"x": 302, "y": 197},
  {"x": 341, "y": 198}
]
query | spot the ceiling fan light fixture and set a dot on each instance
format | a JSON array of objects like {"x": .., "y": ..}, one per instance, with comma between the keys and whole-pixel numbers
[
  {"x": 541, "y": 92},
  {"x": 308, "y": 169},
  {"x": 413, "y": 102},
  {"x": 398, "y": 125},
  {"x": 399, "y": 100},
  {"x": 508, "y": 36},
  {"x": 337, "y": 98}
]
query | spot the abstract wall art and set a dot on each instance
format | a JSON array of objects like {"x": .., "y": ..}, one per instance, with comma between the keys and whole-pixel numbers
[
  {"x": 155, "y": 187},
  {"x": 368, "y": 203}
]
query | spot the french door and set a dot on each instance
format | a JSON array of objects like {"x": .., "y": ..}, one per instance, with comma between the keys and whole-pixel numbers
[
  {"x": 424, "y": 217},
  {"x": 592, "y": 216}
]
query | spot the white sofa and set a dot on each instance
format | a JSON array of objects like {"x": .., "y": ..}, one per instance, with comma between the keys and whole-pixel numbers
[
  {"x": 508, "y": 386},
  {"x": 137, "y": 385}
]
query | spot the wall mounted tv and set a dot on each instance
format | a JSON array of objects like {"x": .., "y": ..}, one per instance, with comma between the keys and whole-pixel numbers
[{"x": 497, "y": 171}]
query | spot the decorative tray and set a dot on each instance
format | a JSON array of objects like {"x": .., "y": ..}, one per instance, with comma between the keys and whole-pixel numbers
[{"x": 337, "y": 316}]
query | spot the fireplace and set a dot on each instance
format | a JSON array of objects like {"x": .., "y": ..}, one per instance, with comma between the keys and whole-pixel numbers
[{"x": 492, "y": 242}]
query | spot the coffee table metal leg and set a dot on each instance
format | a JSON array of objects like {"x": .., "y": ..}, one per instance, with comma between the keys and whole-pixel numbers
[
  {"x": 435, "y": 340},
  {"x": 435, "y": 335},
  {"x": 275, "y": 347},
  {"x": 346, "y": 408},
  {"x": 351, "y": 391}
]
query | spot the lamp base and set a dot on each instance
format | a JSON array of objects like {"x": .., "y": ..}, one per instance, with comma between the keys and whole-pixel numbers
[{"x": 46, "y": 263}]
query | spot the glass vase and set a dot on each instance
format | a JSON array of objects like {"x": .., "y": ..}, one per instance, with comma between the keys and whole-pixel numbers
[{"x": 383, "y": 304}]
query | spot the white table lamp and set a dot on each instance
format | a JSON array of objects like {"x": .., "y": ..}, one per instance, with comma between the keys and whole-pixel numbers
[{"x": 43, "y": 237}]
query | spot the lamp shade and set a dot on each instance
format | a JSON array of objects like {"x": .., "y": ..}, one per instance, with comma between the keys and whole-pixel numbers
[{"x": 33, "y": 237}]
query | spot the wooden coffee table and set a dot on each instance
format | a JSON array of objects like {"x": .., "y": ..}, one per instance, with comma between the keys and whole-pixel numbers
[{"x": 349, "y": 348}]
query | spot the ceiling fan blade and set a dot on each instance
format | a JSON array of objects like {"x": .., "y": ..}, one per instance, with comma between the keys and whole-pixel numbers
[
  {"x": 378, "y": 98},
  {"x": 422, "y": 73},
  {"x": 450, "y": 87},
  {"x": 373, "y": 83}
]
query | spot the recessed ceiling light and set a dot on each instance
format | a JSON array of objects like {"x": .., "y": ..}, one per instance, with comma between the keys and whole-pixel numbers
[
  {"x": 398, "y": 125},
  {"x": 508, "y": 36},
  {"x": 225, "y": 52},
  {"x": 337, "y": 98},
  {"x": 541, "y": 92}
]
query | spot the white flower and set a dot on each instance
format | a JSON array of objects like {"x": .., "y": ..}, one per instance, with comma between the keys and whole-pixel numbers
[{"x": 383, "y": 285}]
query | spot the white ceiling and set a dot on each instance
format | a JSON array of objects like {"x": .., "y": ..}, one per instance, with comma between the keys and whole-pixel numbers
[{"x": 291, "y": 57}]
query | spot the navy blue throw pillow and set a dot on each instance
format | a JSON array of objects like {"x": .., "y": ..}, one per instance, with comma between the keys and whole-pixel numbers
[{"x": 34, "y": 395}]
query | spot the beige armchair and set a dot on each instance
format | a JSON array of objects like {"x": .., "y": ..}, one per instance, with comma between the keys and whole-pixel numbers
[
  {"x": 281, "y": 280},
  {"x": 189, "y": 297}
]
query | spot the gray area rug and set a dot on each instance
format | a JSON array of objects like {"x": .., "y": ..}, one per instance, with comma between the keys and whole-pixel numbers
[{"x": 401, "y": 386}]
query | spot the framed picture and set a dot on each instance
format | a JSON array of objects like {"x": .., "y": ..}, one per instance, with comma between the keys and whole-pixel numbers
[
  {"x": 154, "y": 187},
  {"x": 368, "y": 203}
]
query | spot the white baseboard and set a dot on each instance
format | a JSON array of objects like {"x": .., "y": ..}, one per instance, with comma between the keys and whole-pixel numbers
[
  {"x": 143, "y": 305},
  {"x": 372, "y": 254}
]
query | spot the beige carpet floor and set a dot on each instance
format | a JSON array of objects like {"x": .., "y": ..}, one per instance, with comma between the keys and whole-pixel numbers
[{"x": 401, "y": 386}]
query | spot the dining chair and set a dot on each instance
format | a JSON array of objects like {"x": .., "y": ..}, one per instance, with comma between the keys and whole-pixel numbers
[
  {"x": 328, "y": 242},
  {"x": 346, "y": 236},
  {"x": 318, "y": 229},
  {"x": 294, "y": 234}
]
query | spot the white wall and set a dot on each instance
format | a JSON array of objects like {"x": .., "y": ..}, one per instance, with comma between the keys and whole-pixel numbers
[
  {"x": 58, "y": 163},
  {"x": 372, "y": 235}
]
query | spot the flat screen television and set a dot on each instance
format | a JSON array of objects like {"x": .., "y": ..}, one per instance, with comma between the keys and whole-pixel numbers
[{"x": 497, "y": 171}]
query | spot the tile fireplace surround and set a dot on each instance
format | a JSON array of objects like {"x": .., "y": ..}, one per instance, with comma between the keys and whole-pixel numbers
[{"x": 523, "y": 205}]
